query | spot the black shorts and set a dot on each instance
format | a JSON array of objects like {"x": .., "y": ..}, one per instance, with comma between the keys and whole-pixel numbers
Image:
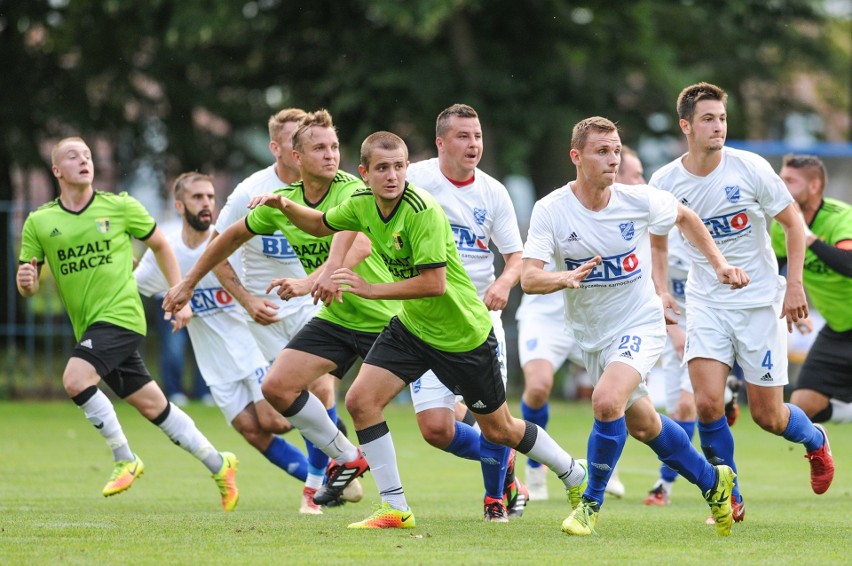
[
  {"x": 334, "y": 343},
  {"x": 114, "y": 351},
  {"x": 475, "y": 375},
  {"x": 828, "y": 366}
]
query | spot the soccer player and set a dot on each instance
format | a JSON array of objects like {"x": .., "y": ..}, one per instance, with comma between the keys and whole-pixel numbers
[
  {"x": 600, "y": 234},
  {"x": 343, "y": 331},
  {"x": 225, "y": 351},
  {"x": 86, "y": 237},
  {"x": 443, "y": 324},
  {"x": 274, "y": 321},
  {"x": 732, "y": 191},
  {"x": 824, "y": 386},
  {"x": 480, "y": 211}
]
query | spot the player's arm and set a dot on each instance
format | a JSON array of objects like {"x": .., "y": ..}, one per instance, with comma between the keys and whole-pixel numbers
[
  {"x": 795, "y": 302},
  {"x": 27, "y": 278},
  {"x": 536, "y": 281},
  {"x": 305, "y": 219},
  {"x": 260, "y": 309},
  {"x": 216, "y": 252},
  {"x": 168, "y": 263},
  {"x": 693, "y": 229},
  {"x": 430, "y": 282},
  {"x": 497, "y": 295},
  {"x": 660, "y": 275},
  {"x": 347, "y": 249}
]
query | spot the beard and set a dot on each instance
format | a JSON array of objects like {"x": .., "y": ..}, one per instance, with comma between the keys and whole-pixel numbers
[{"x": 196, "y": 222}]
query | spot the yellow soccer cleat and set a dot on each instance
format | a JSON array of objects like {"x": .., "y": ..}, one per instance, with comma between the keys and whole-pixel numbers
[
  {"x": 124, "y": 474},
  {"x": 719, "y": 500},
  {"x": 575, "y": 494},
  {"x": 581, "y": 521},
  {"x": 226, "y": 482},
  {"x": 386, "y": 517}
]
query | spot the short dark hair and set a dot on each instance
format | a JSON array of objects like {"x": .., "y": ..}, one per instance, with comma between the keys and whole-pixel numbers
[
  {"x": 811, "y": 163},
  {"x": 186, "y": 179},
  {"x": 691, "y": 95},
  {"x": 442, "y": 124},
  {"x": 380, "y": 140}
]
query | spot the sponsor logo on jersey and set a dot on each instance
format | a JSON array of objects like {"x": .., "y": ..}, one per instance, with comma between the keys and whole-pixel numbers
[
  {"x": 615, "y": 268},
  {"x": 479, "y": 215},
  {"x": 726, "y": 225},
  {"x": 627, "y": 230},
  {"x": 102, "y": 224},
  {"x": 55, "y": 232},
  {"x": 733, "y": 194},
  {"x": 467, "y": 240},
  {"x": 277, "y": 247},
  {"x": 685, "y": 202},
  {"x": 208, "y": 301},
  {"x": 573, "y": 237}
]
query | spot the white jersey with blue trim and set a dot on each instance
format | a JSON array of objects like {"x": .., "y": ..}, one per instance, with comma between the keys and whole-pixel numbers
[
  {"x": 733, "y": 201},
  {"x": 478, "y": 213},
  {"x": 264, "y": 257},
  {"x": 619, "y": 293},
  {"x": 225, "y": 350}
]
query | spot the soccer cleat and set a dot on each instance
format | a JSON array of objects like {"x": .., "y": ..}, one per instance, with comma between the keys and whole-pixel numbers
[
  {"x": 732, "y": 408},
  {"x": 537, "y": 483},
  {"x": 495, "y": 511},
  {"x": 515, "y": 498},
  {"x": 386, "y": 517},
  {"x": 657, "y": 496},
  {"x": 581, "y": 521},
  {"x": 737, "y": 512},
  {"x": 719, "y": 499},
  {"x": 822, "y": 465},
  {"x": 575, "y": 493},
  {"x": 307, "y": 506},
  {"x": 226, "y": 482},
  {"x": 338, "y": 476},
  {"x": 614, "y": 486},
  {"x": 124, "y": 472}
]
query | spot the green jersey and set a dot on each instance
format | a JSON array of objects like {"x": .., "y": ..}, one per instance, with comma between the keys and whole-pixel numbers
[
  {"x": 355, "y": 313},
  {"x": 90, "y": 254},
  {"x": 829, "y": 290},
  {"x": 417, "y": 235}
]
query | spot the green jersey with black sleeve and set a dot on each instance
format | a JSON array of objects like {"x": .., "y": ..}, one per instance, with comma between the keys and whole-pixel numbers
[
  {"x": 354, "y": 313},
  {"x": 90, "y": 254},
  {"x": 829, "y": 290},
  {"x": 416, "y": 236}
]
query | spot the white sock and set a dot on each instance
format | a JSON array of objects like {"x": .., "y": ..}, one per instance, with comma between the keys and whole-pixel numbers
[
  {"x": 100, "y": 412},
  {"x": 313, "y": 423},
  {"x": 546, "y": 451},
  {"x": 381, "y": 455},
  {"x": 181, "y": 429},
  {"x": 314, "y": 481},
  {"x": 840, "y": 412}
]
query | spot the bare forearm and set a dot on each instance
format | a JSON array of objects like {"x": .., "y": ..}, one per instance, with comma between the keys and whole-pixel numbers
[{"x": 227, "y": 276}]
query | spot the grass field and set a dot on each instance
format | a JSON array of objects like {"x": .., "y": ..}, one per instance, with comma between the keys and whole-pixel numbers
[{"x": 54, "y": 466}]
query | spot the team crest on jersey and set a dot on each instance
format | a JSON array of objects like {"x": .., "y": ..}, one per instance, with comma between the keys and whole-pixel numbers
[
  {"x": 733, "y": 194},
  {"x": 627, "y": 230},
  {"x": 102, "y": 224},
  {"x": 479, "y": 215},
  {"x": 397, "y": 241}
]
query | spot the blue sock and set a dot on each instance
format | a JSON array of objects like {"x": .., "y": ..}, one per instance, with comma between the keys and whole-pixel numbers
[
  {"x": 465, "y": 443},
  {"x": 493, "y": 458},
  {"x": 604, "y": 449},
  {"x": 539, "y": 417},
  {"x": 674, "y": 449},
  {"x": 801, "y": 430},
  {"x": 666, "y": 472},
  {"x": 287, "y": 457},
  {"x": 717, "y": 443}
]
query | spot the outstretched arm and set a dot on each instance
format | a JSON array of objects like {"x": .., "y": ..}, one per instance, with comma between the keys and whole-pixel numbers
[
  {"x": 304, "y": 218},
  {"x": 693, "y": 230},
  {"x": 536, "y": 281},
  {"x": 430, "y": 282}
]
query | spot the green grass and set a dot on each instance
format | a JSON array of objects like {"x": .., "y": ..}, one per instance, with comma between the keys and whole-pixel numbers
[{"x": 54, "y": 466}]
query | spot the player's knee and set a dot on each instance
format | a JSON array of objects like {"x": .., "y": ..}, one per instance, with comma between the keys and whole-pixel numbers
[
  {"x": 606, "y": 407},
  {"x": 769, "y": 420},
  {"x": 537, "y": 393},
  {"x": 437, "y": 434}
]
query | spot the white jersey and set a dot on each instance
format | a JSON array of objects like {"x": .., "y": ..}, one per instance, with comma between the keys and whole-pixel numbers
[
  {"x": 264, "y": 257},
  {"x": 478, "y": 213},
  {"x": 733, "y": 201},
  {"x": 619, "y": 293},
  {"x": 678, "y": 269},
  {"x": 224, "y": 348}
]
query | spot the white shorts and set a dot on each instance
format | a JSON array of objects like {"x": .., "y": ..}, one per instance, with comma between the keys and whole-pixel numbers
[
  {"x": 638, "y": 347},
  {"x": 755, "y": 338},
  {"x": 429, "y": 393},
  {"x": 675, "y": 375},
  {"x": 232, "y": 398},
  {"x": 546, "y": 338},
  {"x": 273, "y": 338}
]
